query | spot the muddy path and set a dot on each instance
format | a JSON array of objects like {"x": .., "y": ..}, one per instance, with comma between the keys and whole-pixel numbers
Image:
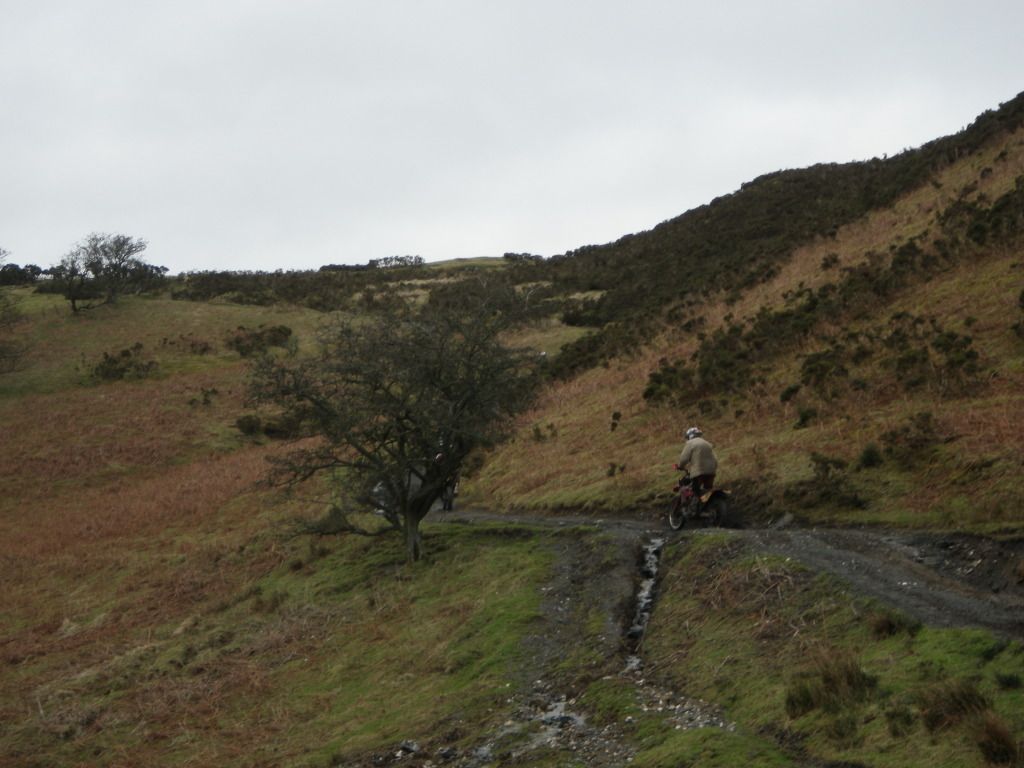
[
  {"x": 614, "y": 588},
  {"x": 940, "y": 580},
  {"x": 944, "y": 580}
]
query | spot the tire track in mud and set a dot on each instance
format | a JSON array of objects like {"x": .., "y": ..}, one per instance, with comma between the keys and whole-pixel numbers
[
  {"x": 892, "y": 568},
  {"x": 934, "y": 578}
]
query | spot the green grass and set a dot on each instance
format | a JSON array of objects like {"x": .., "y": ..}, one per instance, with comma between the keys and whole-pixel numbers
[
  {"x": 769, "y": 642},
  {"x": 711, "y": 748},
  {"x": 333, "y": 652},
  {"x": 485, "y": 262},
  {"x": 63, "y": 346}
]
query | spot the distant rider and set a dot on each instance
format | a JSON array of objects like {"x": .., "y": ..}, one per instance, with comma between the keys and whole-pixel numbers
[{"x": 698, "y": 458}]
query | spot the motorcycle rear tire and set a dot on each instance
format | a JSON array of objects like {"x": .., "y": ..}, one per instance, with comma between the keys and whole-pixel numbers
[
  {"x": 717, "y": 510},
  {"x": 676, "y": 514}
]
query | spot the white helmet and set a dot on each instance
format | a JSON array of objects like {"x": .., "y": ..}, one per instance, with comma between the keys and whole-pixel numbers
[{"x": 693, "y": 432}]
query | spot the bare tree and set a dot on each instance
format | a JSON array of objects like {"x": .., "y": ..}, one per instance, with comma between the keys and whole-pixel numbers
[{"x": 399, "y": 401}]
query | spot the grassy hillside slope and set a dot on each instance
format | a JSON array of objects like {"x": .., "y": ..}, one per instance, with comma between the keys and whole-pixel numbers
[
  {"x": 853, "y": 346},
  {"x": 831, "y": 678},
  {"x": 883, "y": 361},
  {"x": 157, "y": 606}
]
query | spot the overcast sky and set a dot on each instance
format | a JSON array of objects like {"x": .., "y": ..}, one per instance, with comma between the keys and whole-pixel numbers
[{"x": 237, "y": 134}]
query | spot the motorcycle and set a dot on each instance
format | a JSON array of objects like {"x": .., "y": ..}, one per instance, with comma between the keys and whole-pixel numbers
[{"x": 711, "y": 507}]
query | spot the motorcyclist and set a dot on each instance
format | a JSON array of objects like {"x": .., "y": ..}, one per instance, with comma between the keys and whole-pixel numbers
[{"x": 698, "y": 458}]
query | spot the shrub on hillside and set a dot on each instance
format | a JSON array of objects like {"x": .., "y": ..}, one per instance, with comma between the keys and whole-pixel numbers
[
  {"x": 822, "y": 370},
  {"x": 805, "y": 417},
  {"x": 835, "y": 680},
  {"x": 789, "y": 393},
  {"x": 830, "y": 261},
  {"x": 127, "y": 364},
  {"x": 913, "y": 441},
  {"x": 193, "y": 345},
  {"x": 1008, "y": 682},
  {"x": 252, "y": 341},
  {"x": 870, "y": 457},
  {"x": 280, "y": 427},
  {"x": 958, "y": 361},
  {"x": 828, "y": 486},
  {"x": 249, "y": 424},
  {"x": 1019, "y": 326},
  {"x": 668, "y": 382}
]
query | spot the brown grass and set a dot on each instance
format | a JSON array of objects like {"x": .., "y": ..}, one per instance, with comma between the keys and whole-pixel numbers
[
  {"x": 760, "y": 443},
  {"x": 132, "y": 506},
  {"x": 89, "y": 433},
  {"x": 996, "y": 740},
  {"x": 834, "y": 680},
  {"x": 947, "y": 704},
  {"x": 910, "y": 216}
]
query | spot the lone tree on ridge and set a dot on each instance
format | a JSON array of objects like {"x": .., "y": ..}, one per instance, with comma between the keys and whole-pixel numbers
[{"x": 104, "y": 267}]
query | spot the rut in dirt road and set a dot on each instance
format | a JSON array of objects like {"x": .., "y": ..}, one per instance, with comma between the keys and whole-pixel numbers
[
  {"x": 899, "y": 569},
  {"x": 943, "y": 580}
]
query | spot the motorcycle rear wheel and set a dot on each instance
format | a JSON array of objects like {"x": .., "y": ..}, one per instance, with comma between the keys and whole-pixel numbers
[
  {"x": 717, "y": 510},
  {"x": 676, "y": 513}
]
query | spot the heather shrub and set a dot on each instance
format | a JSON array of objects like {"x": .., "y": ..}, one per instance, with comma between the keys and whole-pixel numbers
[
  {"x": 870, "y": 457},
  {"x": 913, "y": 441},
  {"x": 127, "y": 364},
  {"x": 252, "y": 341},
  {"x": 829, "y": 485}
]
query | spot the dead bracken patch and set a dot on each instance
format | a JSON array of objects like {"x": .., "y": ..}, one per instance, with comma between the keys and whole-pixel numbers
[
  {"x": 833, "y": 681},
  {"x": 947, "y": 704}
]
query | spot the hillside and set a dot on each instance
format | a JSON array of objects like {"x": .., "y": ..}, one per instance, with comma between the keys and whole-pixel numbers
[
  {"x": 851, "y": 337},
  {"x": 897, "y": 334}
]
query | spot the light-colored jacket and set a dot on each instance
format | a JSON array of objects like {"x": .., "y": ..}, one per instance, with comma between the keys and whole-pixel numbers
[{"x": 698, "y": 456}]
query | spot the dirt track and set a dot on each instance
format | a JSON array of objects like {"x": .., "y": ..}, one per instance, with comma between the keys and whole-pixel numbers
[
  {"x": 951, "y": 580},
  {"x": 945, "y": 580}
]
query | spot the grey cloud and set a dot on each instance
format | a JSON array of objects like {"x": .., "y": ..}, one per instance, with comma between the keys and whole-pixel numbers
[{"x": 254, "y": 134}]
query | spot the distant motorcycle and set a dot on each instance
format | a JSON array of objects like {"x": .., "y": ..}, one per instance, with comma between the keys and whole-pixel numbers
[{"x": 710, "y": 507}]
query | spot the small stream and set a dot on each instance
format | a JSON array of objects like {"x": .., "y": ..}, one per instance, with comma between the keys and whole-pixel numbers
[
  {"x": 644, "y": 600},
  {"x": 546, "y": 720}
]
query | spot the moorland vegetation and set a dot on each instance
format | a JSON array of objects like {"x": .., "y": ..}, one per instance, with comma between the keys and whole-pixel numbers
[{"x": 849, "y": 335}]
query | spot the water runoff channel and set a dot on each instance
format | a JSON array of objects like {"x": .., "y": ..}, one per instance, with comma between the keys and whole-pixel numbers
[
  {"x": 549, "y": 719},
  {"x": 681, "y": 711}
]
